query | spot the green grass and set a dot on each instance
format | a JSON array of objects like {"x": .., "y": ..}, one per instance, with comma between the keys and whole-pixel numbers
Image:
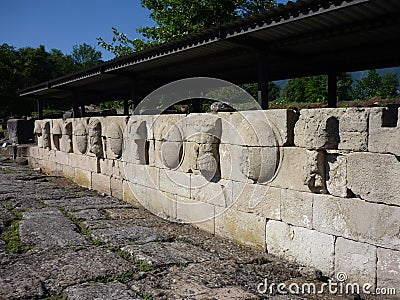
[
  {"x": 8, "y": 171},
  {"x": 144, "y": 295},
  {"x": 11, "y": 234}
]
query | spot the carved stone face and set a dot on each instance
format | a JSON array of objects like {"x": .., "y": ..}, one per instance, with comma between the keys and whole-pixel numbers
[
  {"x": 81, "y": 138},
  {"x": 46, "y": 135},
  {"x": 115, "y": 139},
  {"x": 95, "y": 142}
]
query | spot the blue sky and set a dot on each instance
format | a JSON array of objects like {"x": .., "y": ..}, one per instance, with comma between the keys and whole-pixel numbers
[{"x": 63, "y": 24}]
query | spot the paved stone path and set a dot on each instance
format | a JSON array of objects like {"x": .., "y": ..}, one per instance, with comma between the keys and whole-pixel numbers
[{"x": 61, "y": 241}]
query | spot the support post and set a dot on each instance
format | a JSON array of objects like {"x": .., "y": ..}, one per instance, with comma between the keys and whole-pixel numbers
[
  {"x": 332, "y": 90},
  {"x": 263, "y": 78},
  {"x": 75, "y": 105},
  {"x": 126, "y": 107},
  {"x": 83, "y": 110},
  {"x": 40, "y": 108}
]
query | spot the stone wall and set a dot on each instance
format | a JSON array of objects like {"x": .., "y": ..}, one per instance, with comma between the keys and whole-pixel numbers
[{"x": 319, "y": 188}]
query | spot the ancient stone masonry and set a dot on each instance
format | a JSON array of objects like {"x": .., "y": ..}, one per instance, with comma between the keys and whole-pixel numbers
[{"x": 318, "y": 187}]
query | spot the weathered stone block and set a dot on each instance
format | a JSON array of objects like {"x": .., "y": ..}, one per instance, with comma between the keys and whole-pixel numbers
[
  {"x": 297, "y": 208},
  {"x": 83, "y": 162},
  {"x": 202, "y": 128},
  {"x": 68, "y": 172},
  {"x": 374, "y": 177},
  {"x": 61, "y": 158},
  {"x": 106, "y": 166},
  {"x": 199, "y": 214},
  {"x": 246, "y": 228},
  {"x": 384, "y": 132},
  {"x": 101, "y": 183},
  {"x": 261, "y": 200},
  {"x": 160, "y": 203},
  {"x": 216, "y": 193},
  {"x": 142, "y": 175},
  {"x": 302, "y": 245},
  {"x": 358, "y": 220},
  {"x": 168, "y": 128},
  {"x": 117, "y": 188},
  {"x": 83, "y": 178},
  {"x": 176, "y": 183},
  {"x": 128, "y": 194},
  {"x": 388, "y": 271},
  {"x": 291, "y": 171},
  {"x": 336, "y": 175},
  {"x": 340, "y": 128},
  {"x": 80, "y": 132},
  {"x": 20, "y": 131},
  {"x": 357, "y": 260}
]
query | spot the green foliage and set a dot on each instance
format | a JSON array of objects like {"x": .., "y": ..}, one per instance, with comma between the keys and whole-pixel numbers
[
  {"x": 374, "y": 85},
  {"x": 85, "y": 56},
  {"x": 175, "y": 18},
  {"x": 11, "y": 234},
  {"x": 25, "y": 67},
  {"x": 315, "y": 89},
  {"x": 274, "y": 90}
]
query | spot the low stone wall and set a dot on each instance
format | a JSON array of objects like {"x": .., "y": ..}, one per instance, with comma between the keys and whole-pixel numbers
[{"x": 319, "y": 188}]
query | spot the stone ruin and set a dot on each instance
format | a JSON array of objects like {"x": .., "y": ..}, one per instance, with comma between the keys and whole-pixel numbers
[{"x": 319, "y": 187}]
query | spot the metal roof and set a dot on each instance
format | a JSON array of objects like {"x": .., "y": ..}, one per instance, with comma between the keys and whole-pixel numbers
[{"x": 301, "y": 38}]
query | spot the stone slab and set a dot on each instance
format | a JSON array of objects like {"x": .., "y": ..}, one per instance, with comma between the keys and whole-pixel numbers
[
  {"x": 163, "y": 254},
  {"x": 58, "y": 230},
  {"x": 101, "y": 183},
  {"x": 358, "y": 220},
  {"x": 122, "y": 236},
  {"x": 388, "y": 269},
  {"x": 302, "y": 245},
  {"x": 100, "y": 291},
  {"x": 357, "y": 260},
  {"x": 297, "y": 208}
]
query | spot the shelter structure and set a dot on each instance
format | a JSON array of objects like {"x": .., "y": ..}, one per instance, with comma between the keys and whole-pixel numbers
[{"x": 302, "y": 38}]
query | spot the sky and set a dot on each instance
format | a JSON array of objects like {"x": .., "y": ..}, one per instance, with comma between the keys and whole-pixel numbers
[{"x": 61, "y": 24}]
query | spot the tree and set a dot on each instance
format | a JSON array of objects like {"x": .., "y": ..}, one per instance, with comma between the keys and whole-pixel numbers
[
  {"x": 274, "y": 90},
  {"x": 85, "y": 56},
  {"x": 390, "y": 86},
  {"x": 175, "y": 18},
  {"x": 368, "y": 86},
  {"x": 315, "y": 88}
]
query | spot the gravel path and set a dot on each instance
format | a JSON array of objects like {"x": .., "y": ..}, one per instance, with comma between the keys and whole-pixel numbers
[{"x": 60, "y": 241}]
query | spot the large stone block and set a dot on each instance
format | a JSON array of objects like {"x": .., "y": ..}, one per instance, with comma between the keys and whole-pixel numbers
[
  {"x": 142, "y": 175},
  {"x": 304, "y": 246},
  {"x": 261, "y": 200},
  {"x": 68, "y": 172},
  {"x": 297, "y": 208},
  {"x": 231, "y": 162},
  {"x": 136, "y": 140},
  {"x": 80, "y": 132},
  {"x": 388, "y": 270},
  {"x": 83, "y": 178},
  {"x": 358, "y": 220},
  {"x": 216, "y": 193},
  {"x": 200, "y": 214},
  {"x": 291, "y": 171},
  {"x": 357, "y": 260},
  {"x": 117, "y": 188},
  {"x": 176, "y": 183},
  {"x": 201, "y": 128},
  {"x": 84, "y": 162},
  {"x": 245, "y": 228},
  {"x": 128, "y": 194},
  {"x": 20, "y": 131},
  {"x": 374, "y": 177},
  {"x": 168, "y": 127},
  {"x": 61, "y": 158},
  {"x": 384, "y": 131},
  {"x": 283, "y": 120},
  {"x": 101, "y": 183},
  {"x": 341, "y": 128},
  {"x": 159, "y": 203}
]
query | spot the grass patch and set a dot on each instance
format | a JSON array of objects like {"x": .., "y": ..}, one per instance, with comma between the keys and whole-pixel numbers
[
  {"x": 8, "y": 171},
  {"x": 143, "y": 266},
  {"x": 11, "y": 234},
  {"x": 144, "y": 295}
]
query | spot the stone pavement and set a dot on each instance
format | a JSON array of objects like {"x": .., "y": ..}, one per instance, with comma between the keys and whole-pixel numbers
[{"x": 60, "y": 241}]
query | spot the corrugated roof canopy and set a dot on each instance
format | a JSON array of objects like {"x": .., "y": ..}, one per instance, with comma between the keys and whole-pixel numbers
[{"x": 308, "y": 37}]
